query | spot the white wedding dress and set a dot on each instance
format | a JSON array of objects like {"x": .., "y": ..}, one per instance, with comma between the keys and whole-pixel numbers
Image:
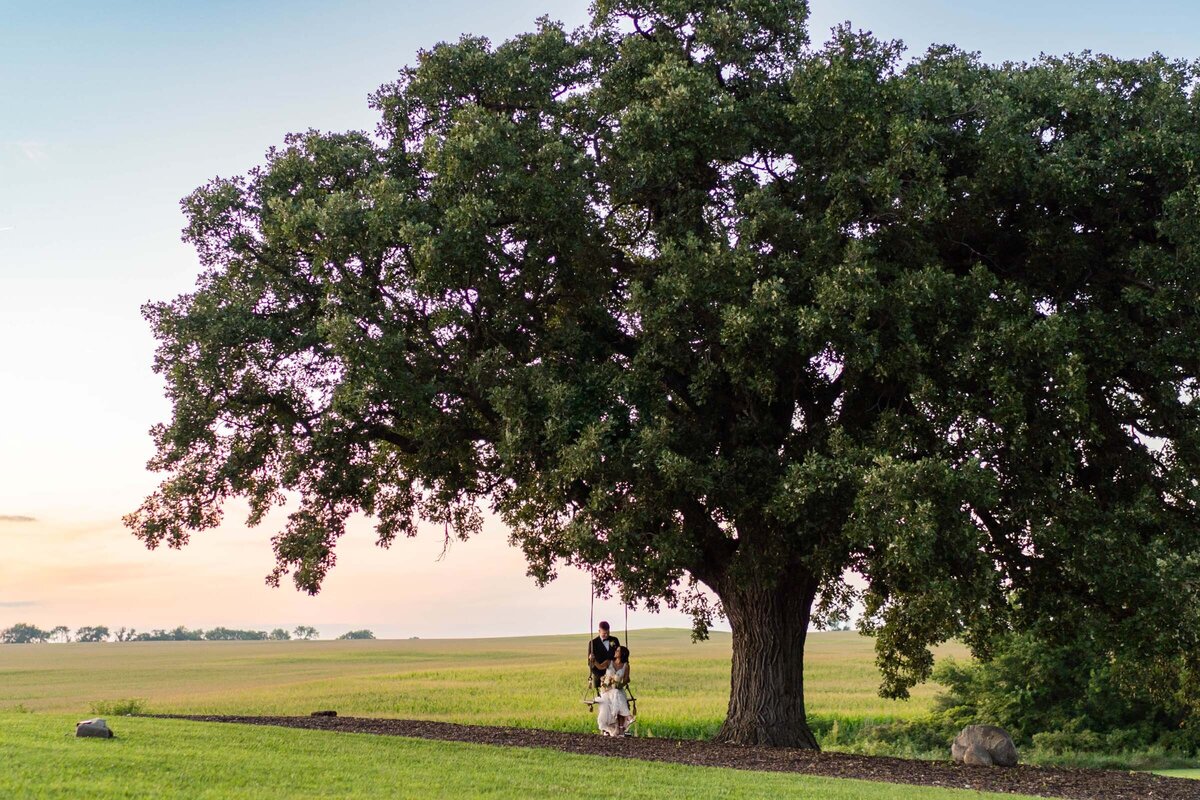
[{"x": 614, "y": 717}]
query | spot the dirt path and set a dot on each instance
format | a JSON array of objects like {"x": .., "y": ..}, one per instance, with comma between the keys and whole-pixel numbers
[{"x": 1078, "y": 784}]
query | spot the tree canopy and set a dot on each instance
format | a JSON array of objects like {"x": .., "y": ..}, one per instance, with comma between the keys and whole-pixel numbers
[
  {"x": 306, "y": 632},
  {"x": 24, "y": 633},
  {"x": 687, "y": 300},
  {"x": 358, "y": 634},
  {"x": 92, "y": 633}
]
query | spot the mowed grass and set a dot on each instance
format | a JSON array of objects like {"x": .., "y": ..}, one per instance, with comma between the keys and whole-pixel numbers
[
  {"x": 683, "y": 688},
  {"x": 171, "y": 758}
]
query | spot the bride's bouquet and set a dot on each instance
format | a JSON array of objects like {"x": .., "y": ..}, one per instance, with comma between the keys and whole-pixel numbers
[{"x": 609, "y": 682}]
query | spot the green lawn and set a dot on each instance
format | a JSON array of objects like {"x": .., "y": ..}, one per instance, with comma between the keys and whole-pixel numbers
[
  {"x": 530, "y": 682},
  {"x": 535, "y": 682},
  {"x": 172, "y": 758},
  {"x": 683, "y": 687},
  {"x": 1179, "y": 773}
]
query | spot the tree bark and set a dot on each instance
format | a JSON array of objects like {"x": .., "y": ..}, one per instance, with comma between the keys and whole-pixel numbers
[{"x": 766, "y": 693}]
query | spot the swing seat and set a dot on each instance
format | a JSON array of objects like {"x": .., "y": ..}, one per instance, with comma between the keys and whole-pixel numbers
[{"x": 590, "y": 695}]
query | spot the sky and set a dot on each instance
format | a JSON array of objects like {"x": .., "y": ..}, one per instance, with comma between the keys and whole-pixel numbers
[{"x": 109, "y": 114}]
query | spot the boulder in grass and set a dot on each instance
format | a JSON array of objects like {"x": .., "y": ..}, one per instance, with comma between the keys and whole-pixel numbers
[
  {"x": 96, "y": 728},
  {"x": 984, "y": 745},
  {"x": 977, "y": 756}
]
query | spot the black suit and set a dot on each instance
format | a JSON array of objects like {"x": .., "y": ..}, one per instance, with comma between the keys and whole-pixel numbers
[{"x": 601, "y": 653}]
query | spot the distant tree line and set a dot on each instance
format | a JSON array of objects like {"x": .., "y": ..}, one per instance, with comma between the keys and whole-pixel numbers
[
  {"x": 363, "y": 634},
  {"x": 24, "y": 633}
]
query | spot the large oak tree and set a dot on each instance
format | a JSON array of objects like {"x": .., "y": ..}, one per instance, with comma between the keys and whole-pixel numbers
[{"x": 688, "y": 300}]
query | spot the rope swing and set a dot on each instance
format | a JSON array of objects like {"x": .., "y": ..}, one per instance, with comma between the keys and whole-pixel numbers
[{"x": 589, "y": 690}]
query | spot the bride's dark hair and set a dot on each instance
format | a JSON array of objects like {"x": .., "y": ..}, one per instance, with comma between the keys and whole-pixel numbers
[{"x": 624, "y": 653}]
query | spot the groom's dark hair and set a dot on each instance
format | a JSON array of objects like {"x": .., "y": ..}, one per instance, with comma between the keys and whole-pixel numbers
[{"x": 603, "y": 625}]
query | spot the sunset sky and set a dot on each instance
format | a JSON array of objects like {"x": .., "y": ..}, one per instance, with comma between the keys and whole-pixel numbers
[{"x": 109, "y": 114}]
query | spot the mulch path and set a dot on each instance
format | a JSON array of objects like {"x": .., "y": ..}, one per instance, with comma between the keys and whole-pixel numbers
[{"x": 1078, "y": 784}]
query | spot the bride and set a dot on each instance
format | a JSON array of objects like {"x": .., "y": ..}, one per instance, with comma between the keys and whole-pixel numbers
[{"x": 615, "y": 717}]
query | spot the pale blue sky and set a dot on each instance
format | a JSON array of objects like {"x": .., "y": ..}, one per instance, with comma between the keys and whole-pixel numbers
[{"x": 109, "y": 114}]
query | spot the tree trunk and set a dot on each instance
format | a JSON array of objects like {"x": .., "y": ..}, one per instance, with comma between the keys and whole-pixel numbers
[{"x": 766, "y": 693}]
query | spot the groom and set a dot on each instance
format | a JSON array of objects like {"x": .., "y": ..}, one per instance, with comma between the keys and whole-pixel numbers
[{"x": 600, "y": 652}]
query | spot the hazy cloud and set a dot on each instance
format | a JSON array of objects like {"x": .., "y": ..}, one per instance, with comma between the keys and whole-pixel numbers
[
  {"x": 31, "y": 149},
  {"x": 100, "y": 573},
  {"x": 16, "y": 518},
  {"x": 17, "y": 603}
]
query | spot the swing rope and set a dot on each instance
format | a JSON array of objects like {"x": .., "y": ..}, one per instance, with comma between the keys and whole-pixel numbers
[
  {"x": 589, "y": 690},
  {"x": 629, "y": 686}
]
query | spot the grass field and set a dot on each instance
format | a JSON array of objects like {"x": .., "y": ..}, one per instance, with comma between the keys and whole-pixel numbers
[
  {"x": 532, "y": 682},
  {"x": 172, "y": 758},
  {"x": 683, "y": 688}
]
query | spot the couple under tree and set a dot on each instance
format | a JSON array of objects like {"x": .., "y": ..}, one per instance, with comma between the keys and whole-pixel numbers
[{"x": 609, "y": 663}]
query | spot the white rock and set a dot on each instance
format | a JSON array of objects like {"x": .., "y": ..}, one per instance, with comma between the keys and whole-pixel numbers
[{"x": 97, "y": 728}]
